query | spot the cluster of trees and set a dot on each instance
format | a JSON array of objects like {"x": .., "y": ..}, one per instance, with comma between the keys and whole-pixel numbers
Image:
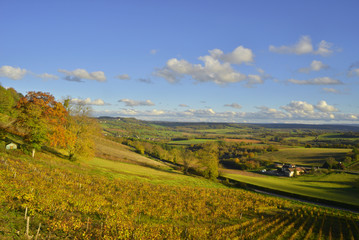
[
  {"x": 200, "y": 159},
  {"x": 203, "y": 159},
  {"x": 41, "y": 120},
  {"x": 332, "y": 163}
]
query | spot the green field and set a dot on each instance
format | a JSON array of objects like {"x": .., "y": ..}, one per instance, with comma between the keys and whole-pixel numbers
[
  {"x": 191, "y": 141},
  {"x": 300, "y": 139},
  {"x": 305, "y": 156},
  {"x": 338, "y": 137},
  {"x": 334, "y": 186}
]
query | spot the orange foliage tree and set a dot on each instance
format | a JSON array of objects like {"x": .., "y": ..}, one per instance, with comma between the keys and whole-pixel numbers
[{"x": 42, "y": 120}]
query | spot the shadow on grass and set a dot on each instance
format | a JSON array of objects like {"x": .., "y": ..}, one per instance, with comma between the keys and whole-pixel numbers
[
  {"x": 321, "y": 157},
  {"x": 54, "y": 152}
]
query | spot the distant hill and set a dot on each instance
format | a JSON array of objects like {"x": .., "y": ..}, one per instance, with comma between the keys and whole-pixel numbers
[{"x": 197, "y": 125}]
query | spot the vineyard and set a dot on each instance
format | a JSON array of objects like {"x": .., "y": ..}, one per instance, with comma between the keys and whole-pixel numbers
[{"x": 39, "y": 198}]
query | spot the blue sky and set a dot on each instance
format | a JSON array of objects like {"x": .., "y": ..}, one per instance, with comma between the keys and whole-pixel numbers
[{"x": 223, "y": 61}]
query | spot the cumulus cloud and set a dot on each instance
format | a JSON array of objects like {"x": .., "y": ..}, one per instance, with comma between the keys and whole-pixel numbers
[
  {"x": 299, "y": 108},
  {"x": 12, "y": 72},
  {"x": 216, "y": 68},
  {"x": 123, "y": 77},
  {"x": 324, "y": 107},
  {"x": 237, "y": 56},
  {"x": 88, "y": 101},
  {"x": 317, "y": 81},
  {"x": 134, "y": 103},
  {"x": 304, "y": 46},
  {"x": 233, "y": 105},
  {"x": 78, "y": 74},
  {"x": 314, "y": 66}
]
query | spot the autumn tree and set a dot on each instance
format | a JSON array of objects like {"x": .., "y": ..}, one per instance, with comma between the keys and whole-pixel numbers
[
  {"x": 208, "y": 157},
  {"x": 80, "y": 130},
  {"x": 188, "y": 160},
  {"x": 41, "y": 120},
  {"x": 8, "y": 100}
]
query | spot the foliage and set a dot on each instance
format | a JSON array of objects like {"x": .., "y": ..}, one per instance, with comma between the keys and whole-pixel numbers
[
  {"x": 330, "y": 163},
  {"x": 41, "y": 119},
  {"x": 8, "y": 100},
  {"x": 80, "y": 131}
]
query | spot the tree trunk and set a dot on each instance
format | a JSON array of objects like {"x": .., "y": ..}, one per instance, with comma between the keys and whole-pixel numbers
[{"x": 33, "y": 152}]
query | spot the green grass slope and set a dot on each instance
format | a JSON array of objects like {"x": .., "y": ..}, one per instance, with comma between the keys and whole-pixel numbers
[
  {"x": 338, "y": 187},
  {"x": 111, "y": 150}
]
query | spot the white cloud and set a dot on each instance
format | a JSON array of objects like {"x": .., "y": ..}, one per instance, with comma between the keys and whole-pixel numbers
[
  {"x": 216, "y": 68},
  {"x": 267, "y": 113},
  {"x": 254, "y": 79},
  {"x": 324, "y": 107},
  {"x": 324, "y": 48},
  {"x": 299, "y": 108},
  {"x": 314, "y": 66},
  {"x": 233, "y": 105},
  {"x": 12, "y": 72},
  {"x": 211, "y": 71},
  {"x": 47, "y": 76},
  {"x": 88, "y": 101},
  {"x": 78, "y": 74},
  {"x": 354, "y": 72},
  {"x": 317, "y": 81},
  {"x": 123, "y": 77},
  {"x": 304, "y": 46},
  {"x": 331, "y": 90},
  {"x": 134, "y": 103},
  {"x": 238, "y": 56}
]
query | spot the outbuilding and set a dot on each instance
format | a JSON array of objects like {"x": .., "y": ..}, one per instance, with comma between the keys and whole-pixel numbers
[{"x": 11, "y": 146}]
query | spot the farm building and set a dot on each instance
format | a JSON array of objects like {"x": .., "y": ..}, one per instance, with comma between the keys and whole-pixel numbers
[
  {"x": 11, "y": 146},
  {"x": 291, "y": 170}
]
